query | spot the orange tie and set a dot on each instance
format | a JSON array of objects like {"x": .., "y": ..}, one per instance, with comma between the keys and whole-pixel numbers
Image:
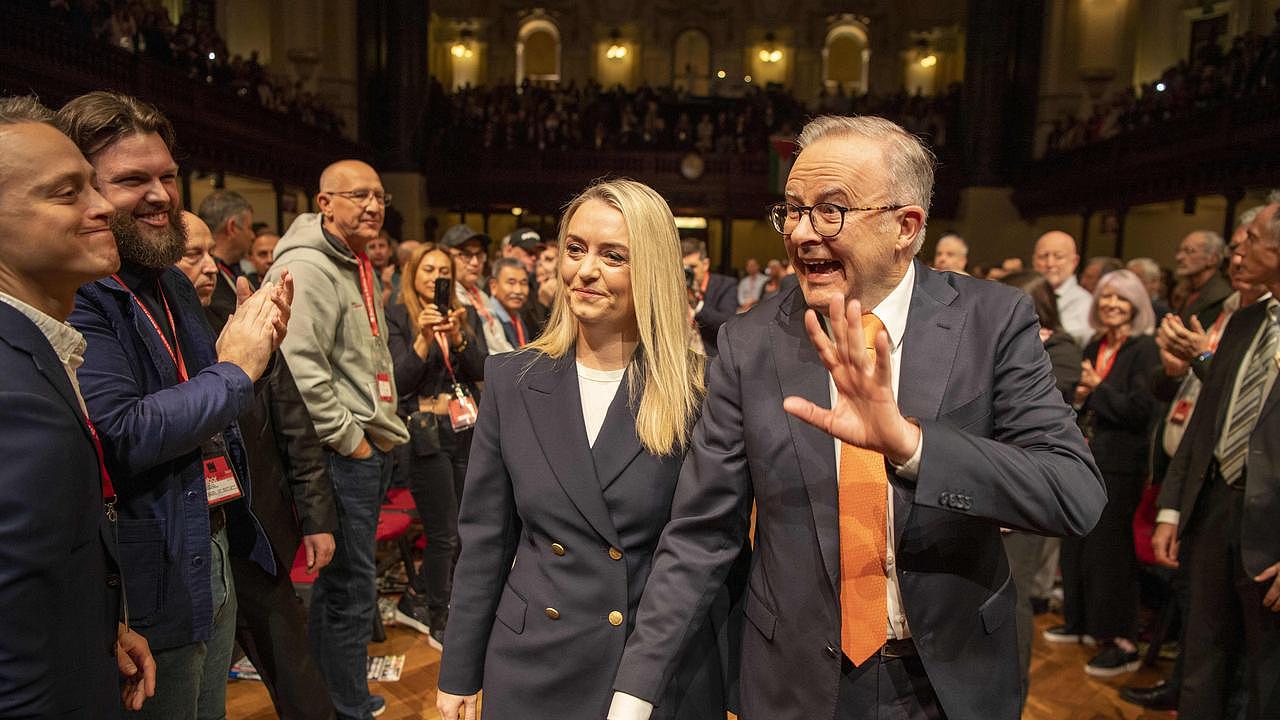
[{"x": 863, "y": 493}]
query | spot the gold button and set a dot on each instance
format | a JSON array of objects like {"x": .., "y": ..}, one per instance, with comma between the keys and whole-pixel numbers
[
  {"x": 615, "y": 618},
  {"x": 557, "y": 548},
  {"x": 615, "y": 553},
  {"x": 552, "y": 613}
]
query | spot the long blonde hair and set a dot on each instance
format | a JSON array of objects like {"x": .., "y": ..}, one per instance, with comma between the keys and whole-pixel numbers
[{"x": 665, "y": 374}]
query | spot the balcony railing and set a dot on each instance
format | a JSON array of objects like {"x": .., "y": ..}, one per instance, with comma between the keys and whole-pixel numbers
[
  {"x": 217, "y": 129},
  {"x": 1215, "y": 151}
]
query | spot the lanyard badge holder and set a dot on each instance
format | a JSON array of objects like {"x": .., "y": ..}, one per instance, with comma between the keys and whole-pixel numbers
[
  {"x": 220, "y": 483},
  {"x": 462, "y": 406}
]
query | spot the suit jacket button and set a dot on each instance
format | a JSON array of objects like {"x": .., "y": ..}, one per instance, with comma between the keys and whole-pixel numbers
[
  {"x": 615, "y": 553},
  {"x": 615, "y": 618},
  {"x": 113, "y": 581},
  {"x": 557, "y": 548},
  {"x": 552, "y": 613},
  {"x": 832, "y": 652},
  {"x": 944, "y": 499}
]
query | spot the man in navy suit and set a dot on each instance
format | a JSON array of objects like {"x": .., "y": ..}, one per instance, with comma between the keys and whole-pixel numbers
[
  {"x": 714, "y": 296},
  {"x": 165, "y": 398},
  {"x": 62, "y": 648},
  {"x": 878, "y": 582}
]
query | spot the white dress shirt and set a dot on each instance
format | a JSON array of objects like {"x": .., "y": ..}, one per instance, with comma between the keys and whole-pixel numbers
[
  {"x": 749, "y": 288},
  {"x": 1073, "y": 309},
  {"x": 892, "y": 311}
]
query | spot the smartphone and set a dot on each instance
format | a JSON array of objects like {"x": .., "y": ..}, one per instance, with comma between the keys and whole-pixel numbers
[{"x": 444, "y": 295}]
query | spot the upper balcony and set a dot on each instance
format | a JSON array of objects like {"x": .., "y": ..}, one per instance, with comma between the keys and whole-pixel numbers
[{"x": 217, "y": 129}]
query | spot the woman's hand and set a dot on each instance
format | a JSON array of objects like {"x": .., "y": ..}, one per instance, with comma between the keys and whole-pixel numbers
[
  {"x": 428, "y": 319},
  {"x": 453, "y": 328},
  {"x": 457, "y": 707}
]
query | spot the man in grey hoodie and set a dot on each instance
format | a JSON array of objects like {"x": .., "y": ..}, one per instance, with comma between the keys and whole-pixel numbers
[{"x": 337, "y": 350}]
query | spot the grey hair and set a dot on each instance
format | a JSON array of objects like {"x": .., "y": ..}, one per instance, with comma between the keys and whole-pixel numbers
[
  {"x": 1273, "y": 197},
  {"x": 1213, "y": 244},
  {"x": 503, "y": 263},
  {"x": 220, "y": 207},
  {"x": 24, "y": 109},
  {"x": 910, "y": 162},
  {"x": 1146, "y": 267},
  {"x": 1247, "y": 216}
]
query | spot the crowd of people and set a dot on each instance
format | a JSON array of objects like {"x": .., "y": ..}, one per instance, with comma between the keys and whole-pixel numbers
[
  {"x": 561, "y": 116},
  {"x": 592, "y": 426},
  {"x": 1249, "y": 67},
  {"x": 146, "y": 28}
]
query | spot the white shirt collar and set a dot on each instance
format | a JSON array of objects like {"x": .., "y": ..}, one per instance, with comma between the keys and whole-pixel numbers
[
  {"x": 1067, "y": 285},
  {"x": 67, "y": 342},
  {"x": 893, "y": 309}
]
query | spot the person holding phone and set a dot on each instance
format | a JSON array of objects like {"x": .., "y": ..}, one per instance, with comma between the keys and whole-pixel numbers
[
  {"x": 437, "y": 363},
  {"x": 574, "y": 465}
]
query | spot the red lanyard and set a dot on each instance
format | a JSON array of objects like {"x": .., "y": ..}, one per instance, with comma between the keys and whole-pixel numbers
[
  {"x": 706, "y": 278},
  {"x": 1105, "y": 361},
  {"x": 519, "y": 326},
  {"x": 365, "y": 274},
  {"x": 226, "y": 272},
  {"x": 108, "y": 489},
  {"x": 443, "y": 342},
  {"x": 478, "y": 302},
  {"x": 174, "y": 352}
]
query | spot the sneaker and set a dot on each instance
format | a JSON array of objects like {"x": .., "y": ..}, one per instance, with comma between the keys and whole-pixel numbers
[
  {"x": 413, "y": 614},
  {"x": 439, "y": 619},
  {"x": 377, "y": 705},
  {"x": 1064, "y": 634},
  {"x": 1112, "y": 661}
]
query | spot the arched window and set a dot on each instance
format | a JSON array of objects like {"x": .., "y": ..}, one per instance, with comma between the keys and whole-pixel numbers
[
  {"x": 691, "y": 68},
  {"x": 846, "y": 57},
  {"x": 538, "y": 51}
]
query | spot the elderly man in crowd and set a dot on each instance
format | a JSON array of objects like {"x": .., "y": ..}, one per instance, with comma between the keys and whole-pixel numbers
[
  {"x": 337, "y": 350},
  {"x": 951, "y": 253},
  {"x": 1056, "y": 258},
  {"x": 1201, "y": 287}
]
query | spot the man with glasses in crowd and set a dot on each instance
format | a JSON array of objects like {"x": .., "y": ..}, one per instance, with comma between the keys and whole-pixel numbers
[
  {"x": 337, "y": 351},
  {"x": 470, "y": 250},
  {"x": 878, "y": 580},
  {"x": 1056, "y": 258}
]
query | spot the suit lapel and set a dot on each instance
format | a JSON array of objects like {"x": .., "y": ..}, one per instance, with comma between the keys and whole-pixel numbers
[
  {"x": 23, "y": 334},
  {"x": 929, "y": 346},
  {"x": 801, "y": 373},
  {"x": 617, "y": 444},
  {"x": 555, "y": 410}
]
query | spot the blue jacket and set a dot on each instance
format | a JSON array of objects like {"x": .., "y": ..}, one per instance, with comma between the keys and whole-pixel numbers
[
  {"x": 58, "y": 584},
  {"x": 151, "y": 428}
]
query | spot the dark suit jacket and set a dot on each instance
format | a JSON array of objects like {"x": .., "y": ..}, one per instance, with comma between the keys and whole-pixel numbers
[
  {"x": 719, "y": 303},
  {"x": 59, "y": 587},
  {"x": 293, "y": 495},
  {"x": 151, "y": 428},
  {"x": 1000, "y": 448},
  {"x": 1191, "y": 466},
  {"x": 580, "y": 524},
  {"x": 1208, "y": 303}
]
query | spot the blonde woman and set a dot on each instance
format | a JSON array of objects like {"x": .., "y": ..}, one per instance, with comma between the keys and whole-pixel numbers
[{"x": 573, "y": 467}]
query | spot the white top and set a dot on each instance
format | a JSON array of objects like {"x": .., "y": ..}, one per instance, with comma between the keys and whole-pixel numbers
[
  {"x": 597, "y": 389},
  {"x": 749, "y": 288},
  {"x": 892, "y": 311}
]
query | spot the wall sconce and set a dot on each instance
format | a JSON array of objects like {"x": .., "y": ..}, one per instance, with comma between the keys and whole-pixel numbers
[
  {"x": 769, "y": 53},
  {"x": 462, "y": 48},
  {"x": 928, "y": 61},
  {"x": 616, "y": 50}
]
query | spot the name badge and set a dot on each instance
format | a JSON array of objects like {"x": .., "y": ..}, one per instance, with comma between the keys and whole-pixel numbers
[
  {"x": 384, "y": 388},
  {"x": 1181, "y": 411},
  {"x": 462, "y": 410},
  {"x": 220, "y": 484}
]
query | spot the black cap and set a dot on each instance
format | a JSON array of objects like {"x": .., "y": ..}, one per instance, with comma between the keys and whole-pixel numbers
[
  {"x": 457, "y": 235},
  {"x": 526, "y": 239}
]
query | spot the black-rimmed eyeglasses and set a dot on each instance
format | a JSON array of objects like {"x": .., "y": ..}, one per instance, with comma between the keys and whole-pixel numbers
[{"x": 827, "y": 219}]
